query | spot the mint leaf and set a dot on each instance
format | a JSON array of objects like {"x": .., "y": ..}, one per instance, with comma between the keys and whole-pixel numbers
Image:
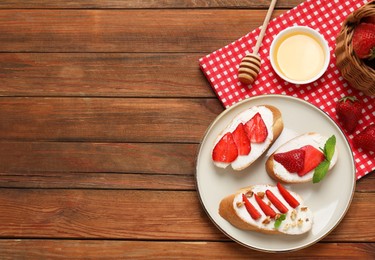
[
  {"x": 328, "y": 151},
  {"x": 279, "y": 220},
  {"x": 321, "y": 171},
  {"x": 329, "y": 148}
]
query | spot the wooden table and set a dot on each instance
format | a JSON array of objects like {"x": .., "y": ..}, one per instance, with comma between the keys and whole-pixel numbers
[{"x": 102, "y": 108}]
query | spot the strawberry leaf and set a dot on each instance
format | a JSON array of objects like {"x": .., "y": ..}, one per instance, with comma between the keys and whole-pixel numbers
[
  {"x": 279, "y": 220},
  {"x": 329, "y": 148},
  {"x": 321, "y": 171},
  {"x": 351, "y": 98}
]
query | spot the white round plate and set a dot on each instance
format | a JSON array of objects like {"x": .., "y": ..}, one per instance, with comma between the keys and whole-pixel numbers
[{"x": 329, "y": 199}]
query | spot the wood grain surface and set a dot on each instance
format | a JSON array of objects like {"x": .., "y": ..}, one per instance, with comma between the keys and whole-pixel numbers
[
  {"x": 103, "y": 75},
  {"x": 160, "y": 30},
  {"x": 102, "y": 109},
  {"x": 107, "y": 119},
  {"x": 123, "y": 214},
  {"x": 114, "y": 249},
  {"x": 139, "y": 4}
]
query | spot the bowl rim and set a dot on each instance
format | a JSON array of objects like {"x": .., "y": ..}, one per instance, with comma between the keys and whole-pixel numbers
[{"x": 306, "y": 29}]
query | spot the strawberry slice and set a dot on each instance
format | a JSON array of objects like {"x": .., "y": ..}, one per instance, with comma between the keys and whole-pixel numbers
[
  {"x": 254, "y": 213},
  {"x": 225, "y": 150},
  {"x": 292, "y": 160},
  {"x": 241, "y": 140},
  {"x": 287, "y": 196},
  {"x": 276, "y": 202},
  {"x": 313, "y": 157},
  {"x": 256, "y": 129},
  {"x": 265, "y": 208}
]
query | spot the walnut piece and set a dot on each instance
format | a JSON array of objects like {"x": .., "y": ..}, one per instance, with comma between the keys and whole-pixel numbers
[
  {"x": 239, "y": 204},
  {"x": 293, "y": 214},
  {"x": 286, "y": 227},
  {"x": 261, "y": 194},
  {"x": 266, "y": 220},
  {"x": 249, "y": 194}
]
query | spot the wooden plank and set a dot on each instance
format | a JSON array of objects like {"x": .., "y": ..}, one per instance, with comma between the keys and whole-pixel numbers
[
  {"x": 102, "y": 74},
  {"x": 78, "y": 249},
  {"x": 366, "y": 183},
  {"x": 107, "y": 119},
  {"x": 124, "y": 30},
  {"x": 92, "y": 180},
  {"x": 145, "y": 4},
  {"x": 91, "y": 165},
  {"x": 134, "y": 214},
  {"x": 356, "y": 225},
  {"x": 25, "y": 157},
  {"x": 103, "y": 214},
  {"x": 88, "y": 180},
  {"x": 79, "y": 180}
]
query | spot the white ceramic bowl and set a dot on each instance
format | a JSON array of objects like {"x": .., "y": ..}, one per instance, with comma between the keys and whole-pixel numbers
[{"x": 295, "y": 30}]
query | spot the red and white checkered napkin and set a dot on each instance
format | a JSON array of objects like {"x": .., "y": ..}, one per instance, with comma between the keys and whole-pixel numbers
[{"x": 221, "y": 66}]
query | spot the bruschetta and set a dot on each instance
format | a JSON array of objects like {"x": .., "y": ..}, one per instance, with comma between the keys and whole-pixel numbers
[
  {"x": 267, "y": 209},
  {"x": 304, "y": 158},
  {"x": 247, "y": 137}
]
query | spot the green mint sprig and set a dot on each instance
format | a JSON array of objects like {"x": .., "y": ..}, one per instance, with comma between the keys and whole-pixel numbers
[
  {"x": 279, "y": 220},
  {"x": 328, "y": 151}
]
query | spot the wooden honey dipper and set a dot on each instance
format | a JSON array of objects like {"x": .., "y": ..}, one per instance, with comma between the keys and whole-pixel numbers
[{"x": 250, "y": 64}]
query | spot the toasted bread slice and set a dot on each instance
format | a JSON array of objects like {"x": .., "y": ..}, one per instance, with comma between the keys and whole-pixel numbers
[
  {"x": 278, "y": 172},
  {"x": 273, "y": 121},
  {"x": 298, "y": 219}
]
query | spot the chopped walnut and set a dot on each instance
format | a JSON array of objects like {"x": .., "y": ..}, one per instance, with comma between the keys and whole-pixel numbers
[
  {"x": 266, "y": 220},
  {"x": 299, "y": 222},
  {"x": 286, "y": 227},
  {"x": 303, "y": 208},
  {"x": 293, "y": 214},
  {"x": 269, "y": 203},
  {"x": 277, "y": 216},
  {"x": 249, "y": 194},
  {"x": 239, "y": 204},
  {"x": 261, "y": 194}
]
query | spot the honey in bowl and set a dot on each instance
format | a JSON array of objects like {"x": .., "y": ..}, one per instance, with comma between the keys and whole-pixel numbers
[{"x": 299, "y": 55}]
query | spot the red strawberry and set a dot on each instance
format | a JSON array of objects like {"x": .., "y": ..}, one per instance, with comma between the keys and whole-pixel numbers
[
  {"x": 366, "y": 139},
  {"x": 287, "y": 196},
  {"x": 241, "y": 140},
  {"x": 363, "y": 41},
  {"x": 265, "y": 207},
  {"x": 225, "y": 150},
  {"x": 250, "y": 208},
  {"x": 349, "y": 111},
  {"x": 276, "y": 202},
  {"x": 292, "y": 160},
  {"x": 313, "y": 157},
  {"x": 256, "y": 129}
]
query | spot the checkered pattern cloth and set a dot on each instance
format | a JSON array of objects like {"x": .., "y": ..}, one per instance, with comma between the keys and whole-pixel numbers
[{"x": 325, "y": 16}]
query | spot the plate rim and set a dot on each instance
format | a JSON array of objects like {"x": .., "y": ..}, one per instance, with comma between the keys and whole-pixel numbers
[{"x": 227, "y": 110}]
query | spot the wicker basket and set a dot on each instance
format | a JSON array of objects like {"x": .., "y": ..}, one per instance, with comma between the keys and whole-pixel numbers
[{"x": 354, "y": 70}]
